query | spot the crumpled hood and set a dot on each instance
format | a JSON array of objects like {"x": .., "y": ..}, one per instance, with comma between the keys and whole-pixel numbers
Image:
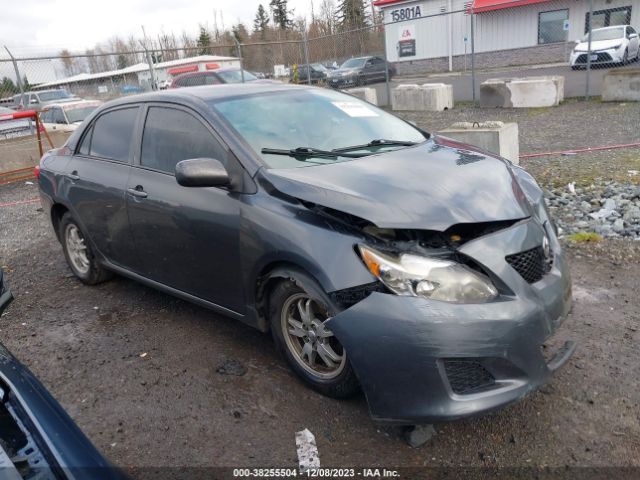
[{"x": 429, "y": 187}]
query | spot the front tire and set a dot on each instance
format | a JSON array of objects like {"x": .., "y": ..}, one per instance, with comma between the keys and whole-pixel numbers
[
  {"x": 78, "y": 253},
  {"x": 312, "y": 351}
]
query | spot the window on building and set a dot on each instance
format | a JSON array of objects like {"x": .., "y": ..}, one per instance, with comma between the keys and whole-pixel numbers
[
  {"x": 551, "y": 26},
  {"x": 112, "y": 134},
  {"x": 172, "y": 135},
  {"x": 609, "y": 18}
]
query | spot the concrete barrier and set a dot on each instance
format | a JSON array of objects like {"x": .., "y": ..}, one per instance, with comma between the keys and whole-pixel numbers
[
  {"x": 433, "y": 97},
  {"x": 368, "y": 94},
  {"x": 621, "y": 86},
  {"x": 23, "y": 152},
  {"x": 496, "y": 137},
  {"x": 529, "y": 92}
]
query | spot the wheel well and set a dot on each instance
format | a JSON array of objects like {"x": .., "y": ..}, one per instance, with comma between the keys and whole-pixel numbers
[
  {"x": 269, "y": 277},
  {"x": 57, "y": 211}
]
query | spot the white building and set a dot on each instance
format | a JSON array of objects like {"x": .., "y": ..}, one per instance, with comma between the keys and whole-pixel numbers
[
  {"x": 137, "y": 77},
  {"x": 437, "y": 33}
]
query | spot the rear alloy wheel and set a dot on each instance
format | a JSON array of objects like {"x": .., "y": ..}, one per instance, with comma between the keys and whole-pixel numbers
[
  {"x": 298, "y": 324},
  {"x": 78, "y": 253}
]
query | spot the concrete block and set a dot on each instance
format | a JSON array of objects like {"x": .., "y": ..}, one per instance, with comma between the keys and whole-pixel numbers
[
  {"x": 495, "y": 137},
  {"x": 529, "y": 92},
  {"x": 368, "y": 94},
  {"x": 621, "y": 86},
  {"x": 433, "y": 97}
]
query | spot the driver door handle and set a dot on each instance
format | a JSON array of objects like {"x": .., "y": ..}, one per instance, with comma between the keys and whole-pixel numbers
[
  {"x": 138, "y": 192},
  {"x": 73, "y": 175}
]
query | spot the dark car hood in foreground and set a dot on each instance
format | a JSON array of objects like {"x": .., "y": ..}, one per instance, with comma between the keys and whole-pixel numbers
[
  {"x": 66, "y": 450},
  {"x": 431, "y": 186}
]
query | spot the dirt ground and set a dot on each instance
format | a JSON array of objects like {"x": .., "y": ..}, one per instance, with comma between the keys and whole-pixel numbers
[{"x": 136, "y": 369}]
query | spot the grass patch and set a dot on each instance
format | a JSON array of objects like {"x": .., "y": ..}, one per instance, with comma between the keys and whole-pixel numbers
[{"x": 585, "y": 237}]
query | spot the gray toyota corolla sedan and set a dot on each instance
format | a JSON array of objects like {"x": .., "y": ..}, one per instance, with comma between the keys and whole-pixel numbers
[{"x": 423, "y": 271}]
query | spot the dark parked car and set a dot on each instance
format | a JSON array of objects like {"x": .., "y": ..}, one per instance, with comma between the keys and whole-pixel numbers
[
  {"x": 422, "y": 270},
  {"x": 212, "y": 77},
  {"x": 316, "y": 71},
  {"x": 38, "y": 440},
  {"x": 360, "y": 71}
]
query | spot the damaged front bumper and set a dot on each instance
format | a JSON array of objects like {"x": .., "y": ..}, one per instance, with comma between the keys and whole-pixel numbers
[{"x": 422, "y": 361}]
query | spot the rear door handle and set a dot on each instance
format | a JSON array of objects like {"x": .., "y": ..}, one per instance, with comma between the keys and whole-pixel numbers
[
  {"x": 73, "y": 175},
  {"x": 137, "y": 192}
]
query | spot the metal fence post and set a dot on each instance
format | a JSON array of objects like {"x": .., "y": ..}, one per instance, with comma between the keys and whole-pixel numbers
[
  {"x": 239, "y": 53},
  {"x": 18, "y": 79},
  {"x": 588, "y": 85},
  {"x": 305, "y": 45},
  {"x": 473, "y": 59},
  {"x": 386, "y": 67},
  {"x": 152, "y": 74}
]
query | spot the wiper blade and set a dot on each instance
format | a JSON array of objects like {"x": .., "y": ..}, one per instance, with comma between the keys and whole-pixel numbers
[
  {"x": 379, "y": 142},
  {"x": 302, "y": 152}
]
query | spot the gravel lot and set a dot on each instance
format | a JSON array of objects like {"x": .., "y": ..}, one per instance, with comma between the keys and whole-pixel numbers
[{"x": 137, "y": 369}]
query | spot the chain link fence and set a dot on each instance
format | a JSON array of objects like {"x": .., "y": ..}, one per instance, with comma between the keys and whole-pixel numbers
[{"x": 459, "y": 42}]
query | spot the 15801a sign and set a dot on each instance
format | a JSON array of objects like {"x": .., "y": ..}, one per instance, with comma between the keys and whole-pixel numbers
[{"x": 408, "y": 13}]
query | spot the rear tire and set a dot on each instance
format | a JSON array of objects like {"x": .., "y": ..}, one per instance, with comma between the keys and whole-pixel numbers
[
  {"x": 79, "y": 254},
  {"x": 313, "y": 353}
]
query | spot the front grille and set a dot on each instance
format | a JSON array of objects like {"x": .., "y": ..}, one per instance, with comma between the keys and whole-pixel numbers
[
  {"x": 602, "y": 57},
  {"x": 467, "y": 376},
  {"x": 530, "y": 264}
]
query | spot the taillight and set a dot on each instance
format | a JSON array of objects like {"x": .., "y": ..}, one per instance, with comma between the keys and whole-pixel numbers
[{"x": 36, "y": 171}]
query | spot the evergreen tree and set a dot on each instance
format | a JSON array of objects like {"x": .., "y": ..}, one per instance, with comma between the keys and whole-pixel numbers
[
  {"x": 261, "y": 22},
  {"x": 351, "y": 14},
  {"x": 204, "y": 41},
  {"x": 281, "y": 14},
  {"x": 240, "y": 33},
  {"x": 7, "y": 87}
]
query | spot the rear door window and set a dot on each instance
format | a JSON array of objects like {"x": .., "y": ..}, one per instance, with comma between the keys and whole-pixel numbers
[
  {"x": 171, "y": 135},
  {"x": 46, "y": 116},
  {"x": 58, "y": 116},
  {"x": 112, "y": 134}
]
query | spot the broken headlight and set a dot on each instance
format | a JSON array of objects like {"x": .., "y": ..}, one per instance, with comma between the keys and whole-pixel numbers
[{"x": 437, "y": 279}]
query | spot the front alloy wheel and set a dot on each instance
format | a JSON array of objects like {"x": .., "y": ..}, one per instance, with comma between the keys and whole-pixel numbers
[
  {"x": 312, "y": 344},
  {"x": 299, "y": 328}
]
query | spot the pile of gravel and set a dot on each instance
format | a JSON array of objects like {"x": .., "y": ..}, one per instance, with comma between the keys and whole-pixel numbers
[{"x": 610, "y": 209}]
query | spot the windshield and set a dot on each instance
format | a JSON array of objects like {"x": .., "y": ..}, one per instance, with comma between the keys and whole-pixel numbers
[
  {"x": 314, "y": 118},
  {"x": 79, "y": 113},
  {"x": 319, "y": 67},
  {"x": 605, "y": 34},
  {"x": 54, "y": 95},
  {"x": 353, "y": 63},
  {"x": 235, "y": 76}
]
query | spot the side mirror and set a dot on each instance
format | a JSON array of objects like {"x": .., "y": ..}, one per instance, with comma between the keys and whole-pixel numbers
[
  {"x": 33, "y": 101},
  {"x": 633, "y": 35},
  {"x": 201, "y": 172}
]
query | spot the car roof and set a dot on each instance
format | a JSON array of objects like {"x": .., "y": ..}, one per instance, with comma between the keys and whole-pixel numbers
[
  {"x": 206, "y": 93},
  {"x": 46, "y": 91},
  {"x": 73, "y": 103},
  {"x": 206, "y": 72}
]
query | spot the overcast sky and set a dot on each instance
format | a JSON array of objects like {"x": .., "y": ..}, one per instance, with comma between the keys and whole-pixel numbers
[{"x": 46, "y": 26}]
